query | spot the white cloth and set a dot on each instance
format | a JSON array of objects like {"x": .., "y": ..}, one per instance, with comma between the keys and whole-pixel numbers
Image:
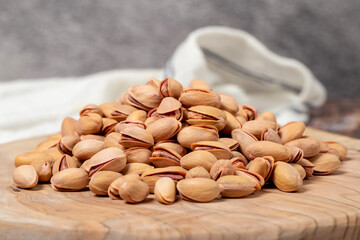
[{"x": 231, "y": 60}]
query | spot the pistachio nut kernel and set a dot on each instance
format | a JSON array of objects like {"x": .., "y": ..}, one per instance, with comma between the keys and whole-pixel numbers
[
  {"x": 165, "y": 190},
  {"x": 25, "y": 176},
  {"x": 198, "y": 189}
]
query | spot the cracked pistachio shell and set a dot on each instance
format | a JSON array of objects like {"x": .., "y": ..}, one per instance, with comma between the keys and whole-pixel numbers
[
  {"x": 248, "y": 112},
  {"x": 197, "y": 172},
  {"x": 138, "y": 115},
  {"x": 165, "y": 190},
  {"x": 193, "y": 97},
  {"x": 162, "y": 157},
  {"x": 126, "y": 123},
  {"x": 262, "y": 166},
  {"x": 144, "y": 97},
  {"x": 206, "y": 115},
  {"x": 172, "y": 145},
  {"x": 286, "y": 177},
  {"x": 296, "y": 154},
  {"x": 233, "y": 186},
  {"x": 232, "y": 123},
  {"x": 100, "y": 182},
  {"x": 117, "y": 111},
  {"x": 228, "y": 103},
  {"x": 256, "y": 127},
  {"x": 219, "y": 149},
  {"x": 265, "y": 148},
  {"x": 54, "y": 154},
  {"x": 25, "y": 176},
  {"x": 340, "y": 148},
  {"x": 169, "y": 87},
  {"x": 271, "y": 135},
  {"x": 192, "y": 134},
  {"x": 133, "y": 191},
  {"x": 85, "y": 149},
  {"x": 48, "y": 143},
  {"x": 68, "y": 126},
  {"x": 308, "y": 167},
  {"x": 137, "y": 168},
  {"x": 123, "y": 99},
  {"x": 310, "y": 147},
  {"x": 164, "y": 128},
  {"x": 198, "y": 158},
  {"x": 138, "y": 155},
  {"x": 291, "y": 131},
  {"x": 154, "y": 83},
  {"x": 67, "y": 143},
  {"x": 198, "y": 189},
  {"x": 136, "y": 137},
  {"x": 28, "y": 157},
  {"x": 113, "y": 190},
  {"x": 89, "y": 124},
  {"x": 43, "y": 169},
  {"x": 300, "y": 169},
  {"x": 325, "y": 163},
  {"x": 63, "y": 163},
  {"x": 221, "y": 168},
  {"x": 91, "y": 108},
  {"x": 230, "y": 142},
  {"x": 238, "y": 162},
  {"x": 199, "y": 84},
  {"x": 245, "y": 139},
  {"x": 108, "y": 126},
  {"x": 259, "y": 180},
  {"x": 270, "y": 116},
  {"x": 70, "y": 179},
  {"x": 112, "y": 140}
]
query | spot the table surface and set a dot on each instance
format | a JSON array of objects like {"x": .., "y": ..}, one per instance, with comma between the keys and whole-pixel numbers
[{"x": 328, "y": 207}]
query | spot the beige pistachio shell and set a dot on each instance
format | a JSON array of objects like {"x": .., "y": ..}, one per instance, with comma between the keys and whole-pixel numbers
[
  {"x": 100, "y": 182},
  {"x": 340, "y": 148},
  {"x": 112, "y": 140},
  {"x": 172, "y": 145},
  {"x": 154, "y": 83},
  {"x": 265, "y": 148},
  {"x": 270, "y": 135},
  {"x": 300, "y": 169},
  {"x": 308, "y": 167},
  {"x": 230, "y": 142},
  {"x": 113, "y": 190},
  {"x": 206, "y": 115},
  {"x": 198, "y": 158},
  {"x": 168, "y": 105},
  {"x": 221, "y": 168},
  {"x": 239, "y": 162},
  {"x": 199, "y": 84},
  {"x": 85, "y": 149},
  {"x": 162, "y": 157},
  {"x": 164, "y": 128},
  {"x": 296, "y": 154},
  {"x": 256, "y": 178},
  {"x": 138, "y": 115},
  {"x": 228, "y": 103},
  {"x": 68, "y": 126},
  {"x": 89, "y": 124},
  {"x": 165, "y": 190},
  {"x": 310, "y": 147},
  {"x": 291, "y": 131},
  {"x": 219, "y": 149},
  {"x": 138, "y": 155},
  {"x": 192, "y": 134},
  {"x": 91, "y": 108},
  {"x": 262, "y": 166},
  {"x": 136, "y": 137},
  {"x": 233, "y": 186},
  {"x": 70, "y": 179},
  {"x": 137, "y": 168},
  {"x": 325, "y": 163},
  {"x": 117, "y": 111},
  {"x": 256, "y": 127},
  {"x": 169, "y": 87},
  {"x": 28, "y": 157},
  {"x": 232, "y": 123},
  {"x": 25, "y": 176},
  {"x": 67, "y": 143},
  {"x": 63, "y": 163},
  {"x": 193, "y": 97},
  {"x": 48, "y": 143},
  {"x": 144, "y": 97},
  {"x": 286, "y": 177},
  {"x": 133, "y": 191},
  {"x": 43, "y": 169},
  {"x": 245, "y": 139},
  {"x": 197, "y": 172},
  {"x": 108, "y": 126},
  {"x": 270, "y": 116},
  {"x": 198, "y": 189},
  {"x": 126, "y": 123},
  {"x": 54, "y": 154},
  {"x": 324, "y": 147},
  {"x": 92, "y": 136}
]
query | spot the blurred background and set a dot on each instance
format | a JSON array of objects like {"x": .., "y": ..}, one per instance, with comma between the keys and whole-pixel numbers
[{"x": 46, "y": 38}]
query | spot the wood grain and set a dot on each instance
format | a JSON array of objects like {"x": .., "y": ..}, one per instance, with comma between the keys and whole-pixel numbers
[{"x": 328, "y": 207}]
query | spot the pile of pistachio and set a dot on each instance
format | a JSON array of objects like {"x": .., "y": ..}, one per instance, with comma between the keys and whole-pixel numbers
[{"x": 160, "y": 138}]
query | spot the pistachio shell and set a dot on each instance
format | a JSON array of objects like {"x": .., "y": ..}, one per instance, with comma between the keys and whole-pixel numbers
[
  {"x": 228, "y": 103},
  {"x": 67, "y": 143},
  {"x": 43, "y": 169},
  {"x": 310, "y": 147},
  {"x": 236, "y": 186},
  {"x": 91, "y": 108},
  {"x": 126, "y": 124},
  {"x": 220, "y": 150},
  {"x": 286, "y": 177},
  {"x": 256, "y": 178},
  {"x": 168, "y": 105},
  {"x": 100, "y": 182},
  {"x": 300, "y": 169},
  {"x": 296, "y": 154},
  {"x": 199, "y": 84},
  {"x": 86, "y": 149},
  {"x": 169, "y": 87},
  {"x": 271, "y": 135},
  {"x": 112, "y": 140},
  {"x": 239, "y": 162},
  {"x": 230, "y": 142},
  {"x": 197, "y": 172},
  {"x": 113, "y": 190},
  {"x": 164, "y": 128},
  {"x": 308, "y": 167},
  {"x": 221, "y": 168},
  {"x": 28, "y": 157},
  {"x": 25, "y": 176},
  {"x": 232, "y": 123},
  {"x": 134, "y": 191},
  {"x": 138, "y": 155},
  {"x": 340, "y": 148},
  {"x": 68, "y": 126},
  {"x": 108, "y": 126},
  {"x": 198, "y": 189},
  {"x": 63, "y": 163},
  {"x": 144, "y": 97},
  {"x": 89, "y": 124},
  {"x": 70, "y": 179},
  {"x": 137, "y": 168},
  {"x": 48, "y": 143},
  {"x": 172, "y": 145},
  {"x": 291, "y": 131},
  {"x": 270, "y": 116},
  {"x": 264, "y": 148},
  {"x": 165, "y": 190},
  {"x": 192, "y": 134},
  {"x": 193, "y": 97},
  {"x": 206, "y": 115},
  {"x": 138, "y": 115},
  {"x": 162, "y": 157},
  {"x": 154, "y": 83},
  {"x": 250, "y": 112},
  {"x": 245, "y": 139},
  {"x": 54, "y": 154},
  {"x": 256, "y": 127},
  {"x": 198, "y": 158},
  {"x": 92, "y": 136},
  {"x": 262, "y": 166},
  {"x": 136, "y": 137},
  {"x": 325, "y": 163},
  {"x": 117, "y": 111}
]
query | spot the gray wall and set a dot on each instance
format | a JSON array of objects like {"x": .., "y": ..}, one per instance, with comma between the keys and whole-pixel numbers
[{"x": 44, "y": 38}]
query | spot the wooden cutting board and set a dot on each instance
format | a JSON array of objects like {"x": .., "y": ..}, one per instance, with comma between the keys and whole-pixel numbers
[{"x": 328, "y": 207}]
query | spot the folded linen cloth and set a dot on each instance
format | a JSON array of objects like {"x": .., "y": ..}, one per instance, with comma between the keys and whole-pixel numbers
[{"x": 231, "y": 60}]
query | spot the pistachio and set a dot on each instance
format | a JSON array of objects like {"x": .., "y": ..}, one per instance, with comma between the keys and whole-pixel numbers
[
  {"x": 340, "y": 148},
  {"x": 291, "y": 131},
  {"x": 197, "y": 172},
  {"x": 68, "y": 126},
  {"x": 56, "y": 136},
  {"x": 67, "y": 143},
  {"x": 257, "y": 178},
  {"x": 300, "y": 169},
  {"x": 113, "y": 190},
  {"x": 230, "y": 142},
  {"x": 144, "y": 97},
  {"x": 198, "y": 158},
  {"x": 221, "y": 168},
  {"x": 169, "y": 87},
  {"x": 233, "y": 186},
  {"x": 169, "y": 107},
  {"x": 154, "y": 83},
  {"x": 165, "y": 190},
  {"x": 271, "y": 135},
  {"x": 164, "y": 128},
  {"x": 63, "y": 163},
  {"x": 43, "y": 169},
  {"x": 108, "y": 126},
  {"x": 48, "y": 143},
  {"x": 163, "y": 157},
  {"x": 256, "y": 127},
  {"x": 173, "y": 145},
  {"x": 192, "y": 134},
  {"x": 112, "y": 140},
  {"x": 267, "y": 116},
  {"x": 70, "y": 179},
  {"x": 228, "y": 103},
  {"x": 264, "y": 148},
  {"x": 126, "y": 123},
  {"x": 308, "y": 167},
  {"x": 100, "y": 182},
  {"x": 199, "y": 84},
  {"x": 54, "y": 154},
  {"x": 248, "y": 112},
  {"x": 27, "y": 158},
  {"x": 117, "y": 111},
  {"x": 137, "y": 168},
  {"x": 310, "y": 147},
  {"x": 25, "y": 176},
  {"x": 296, "y": 154},
  {"x": 136, "y": 137},
  {"x": 138, "y": 115},
  {"x": 92, "y": 136},
  {"x": 325, "y": 163},
  {"x": 87, "y": 148},
  {"x": 198, "y": 189},
  {"x": 133, "y": 191},
  {"x": 286, "y": 177},
  {"x": 138, "y": 155},
  {"x": 220, "y": 150},
  {"x": 232, "y": 123},
  {"x": 91, "y": 108},
  {"x": 245, "y": 139},
  {"x": 193, "y": 97},
  {"x": 262, "y": 166},
  {"x": 239, "y": 162},
  {"x": 206, "y": 115},
  {"x": 123, "y": 99},
  {"x": 89, "y": 124}
]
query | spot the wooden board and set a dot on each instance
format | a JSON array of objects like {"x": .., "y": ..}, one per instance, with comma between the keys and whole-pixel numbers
[{"x": 328, "y": 207}]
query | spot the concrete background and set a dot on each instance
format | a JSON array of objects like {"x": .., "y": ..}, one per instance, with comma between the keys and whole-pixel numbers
[{"x": 46, "y": 38}]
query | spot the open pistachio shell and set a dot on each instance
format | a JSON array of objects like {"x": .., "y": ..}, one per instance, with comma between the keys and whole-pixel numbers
[
  {"x": 340, "y": 148},
  {"x": 198, "y": 172},
  {"x": 65, "y": 162},
  {"x": 89, "y": 124},
  {"x": 84, "y": 150},
  {"x": 137, "y": 168},
  {"x": 91, "y": 108},
  {"x": 100, "y": 182},
  {"x": 221, "y": 168},
  {"x": 138, "y": 155},
  {"x": 256, "y": 127},
  {"x": 230, "y": 142},
  {"x": 144, "y": 97},
  {"x": 164, "y": 157},
  {"x": 232, "y": 123},
  {"x": 70, "y": 179},
  {"x": 206, "y": 115},
  {"x": 48, "y": 143},
  {"x": 68, "y": 126},
  {"x": 270, "y": 116},
  {"x": 173, "y": 145},
  {"x": 136, "y": 137},
  {"x": 219, "y": 149},
  {"x": 138, "y": 115},
  {"x": 169, "y": 87},
  {"x": 117, "y": 111},
  {"x": 245, "y": 139},
  {"x": 271, "y": 135},
  {"x": 133, "y": 191}
]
